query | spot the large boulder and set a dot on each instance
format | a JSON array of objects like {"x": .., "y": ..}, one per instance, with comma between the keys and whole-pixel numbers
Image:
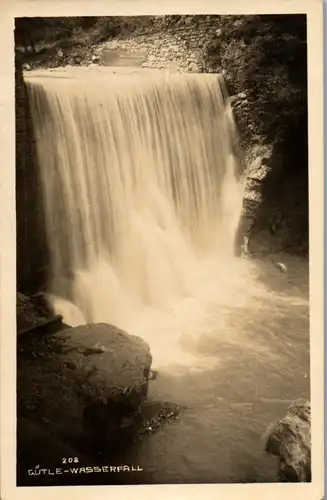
[
  {"x": 84, "y": 384},
  {"x": 290, "y": 440},
  {"x": 115, "y": 364}
]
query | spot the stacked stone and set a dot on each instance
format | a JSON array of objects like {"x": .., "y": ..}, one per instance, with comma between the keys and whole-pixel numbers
[{"x": 179, "y": 49}]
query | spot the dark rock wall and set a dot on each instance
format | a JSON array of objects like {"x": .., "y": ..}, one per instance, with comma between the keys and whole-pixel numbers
[
  {"x": 282, "y": 219},
  {"x": 31, "y": 241},
  {"x": 276, "y": 205}
]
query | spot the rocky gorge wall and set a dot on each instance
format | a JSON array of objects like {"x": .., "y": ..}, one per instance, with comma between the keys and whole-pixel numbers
[{"x": 32, "y": 256}]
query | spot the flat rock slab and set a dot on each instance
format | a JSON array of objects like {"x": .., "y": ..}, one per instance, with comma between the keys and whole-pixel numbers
[
  {"x": 83, "y": 383},
  {"x": 290, "y": 440}
]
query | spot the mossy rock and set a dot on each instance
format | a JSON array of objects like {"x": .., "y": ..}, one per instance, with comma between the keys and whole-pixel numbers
[{"x": 93, "y": 373}]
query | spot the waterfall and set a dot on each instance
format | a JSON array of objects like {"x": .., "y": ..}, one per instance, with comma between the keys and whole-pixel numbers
[{"x": 140, "y": 183}]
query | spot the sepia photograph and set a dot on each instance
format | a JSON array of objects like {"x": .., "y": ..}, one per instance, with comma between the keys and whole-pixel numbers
[{"x": 163, "y": 250}]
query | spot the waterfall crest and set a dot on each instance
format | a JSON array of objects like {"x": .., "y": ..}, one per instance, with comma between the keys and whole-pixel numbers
[{"x": 140, "y": 186}]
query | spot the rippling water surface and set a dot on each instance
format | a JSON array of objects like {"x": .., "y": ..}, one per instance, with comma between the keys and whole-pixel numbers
[{"x": 248, "y": 366}]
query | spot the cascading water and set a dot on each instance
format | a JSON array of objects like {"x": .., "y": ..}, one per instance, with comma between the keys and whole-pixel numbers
[{"x": 141, "y": 193}]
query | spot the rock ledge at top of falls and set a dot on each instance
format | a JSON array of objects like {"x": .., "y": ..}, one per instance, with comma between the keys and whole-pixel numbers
[
  {"x": 82, "y": 385},
  {"x": 290, "y": 440}
]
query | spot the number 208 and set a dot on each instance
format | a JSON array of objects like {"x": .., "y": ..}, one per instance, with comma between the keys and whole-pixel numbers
[{"x": 70, "y": 460}]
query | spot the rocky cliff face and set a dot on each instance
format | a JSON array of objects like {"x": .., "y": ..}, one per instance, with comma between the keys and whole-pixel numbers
[{"x": 32, "y": 252}]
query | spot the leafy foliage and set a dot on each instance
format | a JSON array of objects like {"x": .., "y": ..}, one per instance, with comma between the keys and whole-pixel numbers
[
  {"x": 43, "y": 28},
  {"x": 265, "y": 58}
]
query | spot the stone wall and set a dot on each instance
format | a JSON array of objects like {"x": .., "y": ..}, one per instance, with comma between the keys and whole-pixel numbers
[
  {"x": 31, "y": 241},
  {"x": 182, "y": 48}
]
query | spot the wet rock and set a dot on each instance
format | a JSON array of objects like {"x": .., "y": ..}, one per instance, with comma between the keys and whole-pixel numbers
[
  {"x": 80, "y": 383},
  {"x": 157, "y": 414},
  {"x": 26, "y": 313},
  {"x": 153, "y": 374},
  {"x": 257, "y": 168},
  {"x": 280, "y": 266},
  {"x": 193, "y": 67},
  {"x": 116, "y": 363},
  {"x": 42, "y": 303},
  {"x": 290, "y": 440}
]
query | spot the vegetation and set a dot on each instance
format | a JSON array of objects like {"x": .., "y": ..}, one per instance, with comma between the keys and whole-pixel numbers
[
  {"x": 73, "y": 31},
  {"x": 265, "y": 58}
]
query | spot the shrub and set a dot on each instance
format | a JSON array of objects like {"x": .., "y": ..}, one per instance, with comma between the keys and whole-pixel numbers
[{"x": 265, "y": 58}]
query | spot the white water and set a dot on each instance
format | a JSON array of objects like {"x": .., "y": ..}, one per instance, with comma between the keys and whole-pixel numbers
[{"x": 142, "y": 199}]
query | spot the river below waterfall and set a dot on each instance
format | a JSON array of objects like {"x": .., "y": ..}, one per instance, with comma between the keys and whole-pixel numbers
[
  {"x": 242, "y": 380},
  {"x": 234, "y": 373}
]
